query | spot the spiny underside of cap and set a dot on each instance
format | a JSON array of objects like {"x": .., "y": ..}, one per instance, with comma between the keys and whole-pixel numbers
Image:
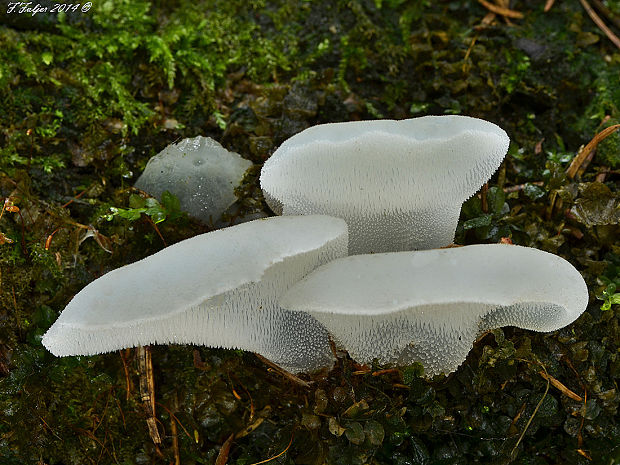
[
  {"x": 219, "y": 289},
  {"x": 398, "y": 184},
  {"x": 200, "y": 172},
  {"x": 430, "y": 306}
]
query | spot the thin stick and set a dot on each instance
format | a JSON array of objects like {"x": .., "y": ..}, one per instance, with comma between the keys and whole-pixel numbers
[
  {"x": 283, "y": 372},
  {"x": 599, "y": 22},
  {"x": 222, "y": 457},
  {"x": 602, "y": 9},
  {"x": 147, "y": 390},
  {"x": 279, "y": 455},
  {"x": 500, "y": 10},
  {"x": 590, "y": 146},
  {"x": 175, "y": 441},
  {"x": 529, "y": 422},
  {"x": 563, "y": 389}
]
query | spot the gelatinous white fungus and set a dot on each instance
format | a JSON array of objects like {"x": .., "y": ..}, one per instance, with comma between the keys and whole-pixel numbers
[
  {"x": 200, "y": 172},
  {"x": 218, "y": 289},
  {"x": 399, "y": 185},
  {"x": 429, "y": 306}
]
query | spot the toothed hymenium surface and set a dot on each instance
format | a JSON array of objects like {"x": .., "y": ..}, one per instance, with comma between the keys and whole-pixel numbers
[
  {"x": 218, "y": 289},
  {"x": 399, "y": 185},
  {"x": 430, "y": 306},
  {"x": 200, "y": 172}
]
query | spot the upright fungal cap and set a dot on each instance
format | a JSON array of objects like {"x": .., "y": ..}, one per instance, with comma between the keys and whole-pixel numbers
[
  {"x": 398, "y": 184},
  {"x": 200, "y": 172},
  {"x": 430, "y": 306},
  {"x": 218, "y": 289}
]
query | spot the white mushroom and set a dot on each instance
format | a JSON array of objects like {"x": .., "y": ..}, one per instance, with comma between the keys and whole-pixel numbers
[
  {"x": 429, "y": 306},
  {"x": 399, "y": 185},
  {"x": 200, "y": 172},
  {"x": 218, "y": 289}
]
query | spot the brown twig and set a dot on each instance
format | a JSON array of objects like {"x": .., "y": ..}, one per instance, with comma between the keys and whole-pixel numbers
[
  {"x": 520, "y": 187},
  {"x": 156, "y": 230},
  {"x": 222, "y": 457},
  {"x": 385, "y": 372},
  {"x": 75, "y": 198},
  {"x": 283, "y": 372},
  {"x": 147, "y": 390},
  {"x": 279, "y": 455},
  {"x": 252, "y": 411},
  {"x": 548, "y": 5},
  {"x": 563, "y": 389},
  {"x": 529, "y": 422},
  {"x": 483, "y": 197},
  {"x": 174, "y": 417},
  {"x": 175, "y": 441},
  {"x": 508, "y": 13},
  {"x": 583, "y": 154},
  {"x": 599, "y": 22},
  {"x": 602, "y": 9},
  {"x": 128, "y": 382}
]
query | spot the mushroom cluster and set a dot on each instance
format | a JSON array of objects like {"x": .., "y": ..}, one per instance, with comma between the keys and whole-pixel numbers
[{"x": 282, "y": 286}]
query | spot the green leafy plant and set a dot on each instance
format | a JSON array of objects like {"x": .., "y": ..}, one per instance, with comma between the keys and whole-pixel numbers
[
  {"x": 168, "y": 209},
  {"x": 485, "y": 222},
  {"x": 611, "y": 282},
  {"x": 610, "y": 297}
]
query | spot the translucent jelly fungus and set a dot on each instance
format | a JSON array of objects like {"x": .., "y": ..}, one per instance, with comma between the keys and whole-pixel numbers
[
  {"x": 399, "y": 185},
  {"x": 430, "y": 306},
  {"x": 218, "y": 289},
  {"x": 200, "y": 172}
]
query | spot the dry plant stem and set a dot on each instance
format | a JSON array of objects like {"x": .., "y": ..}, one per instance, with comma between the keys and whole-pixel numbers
[
  {"x": 600, "y": 177},
  {"x": 520, "y": 187},
  {"x": 527, "y": 425},
  {"x": 599, "y": 22},
  {"x": 385, "y": 372},
  {"x": 584, "y": 166},
  {"x": 563, "y": 389},
  {"x": 128, "y": 383},
  {"x": 152, "y": 223},
  {"x": 603, "y": 10},
  {"x": 174, "y": 417},
  {"x": 75, "y": 198},
  {"x": 585, "y": 152},
  {"x": 175, "y": 441},
  {"x": 222, "y": 457},
  {"x": 283, "y": 372},
  {"x": 500, "y": 10},
  {"x": 276, "y": 456},
  {"x": 147, "y": 390},
  {"x": 548, "y": 5}
]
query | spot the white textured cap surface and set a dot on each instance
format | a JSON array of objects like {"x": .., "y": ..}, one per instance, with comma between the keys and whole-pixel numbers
[
  {"x": 200, "y": 172},
  {"x": 218, "y": 289},
  {"x": 388, "y": 179},
  {"x": 429, "y": 306}
]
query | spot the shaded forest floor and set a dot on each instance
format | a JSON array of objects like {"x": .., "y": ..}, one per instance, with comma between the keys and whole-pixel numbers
[{"x": 89, "y": 97}]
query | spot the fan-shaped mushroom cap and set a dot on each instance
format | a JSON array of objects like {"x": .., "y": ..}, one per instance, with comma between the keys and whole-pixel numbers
[
  {"x": 200, "y": 172},
  {"x": 430, "y": 306},
  {"x": 218, "y": 289},
  {"x": 399, "y": 185}
]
